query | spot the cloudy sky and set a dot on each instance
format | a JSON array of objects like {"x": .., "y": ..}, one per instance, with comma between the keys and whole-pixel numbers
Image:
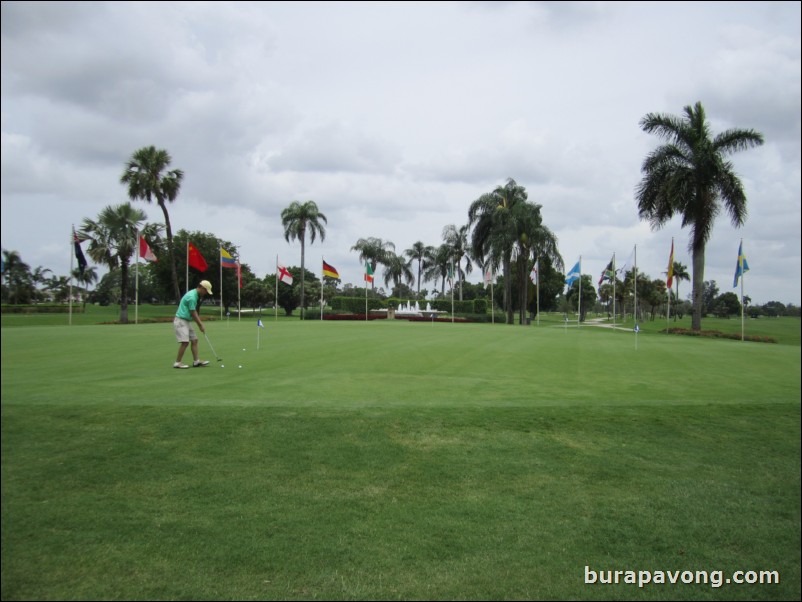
[{"x": 394, "y": 117}]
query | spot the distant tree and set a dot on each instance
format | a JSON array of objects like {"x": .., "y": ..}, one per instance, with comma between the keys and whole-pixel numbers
[
  {"x": 691, "y": 177},
  {"x": 424, "y": 256},
  {"x": 18, "y": 279},
  {"x": 374, "y": 251},
  {"x": 457, "y": 241},
  {"x": 709, "y": 295},
  {"x": 298, "y": 219},
  {"x": 113, "y": 241},
  {"x": 397, "y": 270},
  {"x": 147, "y": 178},
  {"x": 726, "y": 305},
  {"x": 588, "y": 296},
  {"x": 86, "y": 277}
]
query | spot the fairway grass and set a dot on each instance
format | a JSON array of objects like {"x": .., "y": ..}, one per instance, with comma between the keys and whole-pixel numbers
[{"x": 395, "y": 460}]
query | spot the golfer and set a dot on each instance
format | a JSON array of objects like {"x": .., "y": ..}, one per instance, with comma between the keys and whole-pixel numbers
[{"x": 184, "y": 332}]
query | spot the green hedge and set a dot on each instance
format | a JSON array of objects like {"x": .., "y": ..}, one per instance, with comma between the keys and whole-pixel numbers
[
  {"x": 77, "y": 308},
  {"x": 354, "y": 305}
]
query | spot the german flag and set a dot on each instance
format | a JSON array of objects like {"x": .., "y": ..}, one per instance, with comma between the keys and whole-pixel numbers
[{"x": 330, "y": 271}]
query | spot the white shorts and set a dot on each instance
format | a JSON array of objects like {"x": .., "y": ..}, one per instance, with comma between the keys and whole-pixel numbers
[{"x": 184, "y": 332}]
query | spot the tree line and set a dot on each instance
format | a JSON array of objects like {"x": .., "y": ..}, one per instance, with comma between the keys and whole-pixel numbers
[{"x": 687, "y": 176}]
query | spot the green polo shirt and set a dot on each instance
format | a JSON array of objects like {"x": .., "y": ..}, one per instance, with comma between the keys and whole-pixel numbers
[{"x": 189, "y": 303}]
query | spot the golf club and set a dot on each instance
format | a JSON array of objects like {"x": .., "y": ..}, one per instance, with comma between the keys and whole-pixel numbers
[{"x": 219, "y": 359}]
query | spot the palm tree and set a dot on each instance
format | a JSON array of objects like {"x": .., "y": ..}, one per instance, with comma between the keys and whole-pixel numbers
[
  {"x": 680, "y": 272},
  {"x": 689, "y": 176},
  {"x": 18, "y": 277},
  {"x": 397, "y": 269},
  {"x": 534, "y": 240},
  {"x": 86, "y": 277},
  {"x": 438, "y": 268},
  {"x": 494, "y": 218},
  {"x": 113, "y": 242},
  {"x": 424, "y": 255},
  {"x": 147, "y": 179},
  {"x": 297, "y": 219},
  {"x": 457, "y": 240},
  {"x": 374, "y": 250}
]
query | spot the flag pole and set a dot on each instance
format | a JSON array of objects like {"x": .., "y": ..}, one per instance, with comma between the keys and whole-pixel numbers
[
  {"x": 743, "y": 275},
  {"x": 275, "y": 305},
  {"x": 492, "y": 302},
  {"x": 220, "y": 259},
  {"x": 187, "y": 266},
  {"x": 323, "y": 272},
  {"x": 537, "y": 289},
  {"x": 239, "y": 288},
  {"x": 579, "y": 302},
  {"x": 136, "y": 287},
  {"x": 72, "y": 254},
  {"x": 614, "y": 273}
]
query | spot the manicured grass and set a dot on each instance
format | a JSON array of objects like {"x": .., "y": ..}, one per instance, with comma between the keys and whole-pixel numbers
[{"x": 394, "y": 460}]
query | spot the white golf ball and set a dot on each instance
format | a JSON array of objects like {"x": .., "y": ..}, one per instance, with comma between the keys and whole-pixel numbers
[
  {"x": 222, "y": 366},
  {"x": 240, "y": 365},
  {"x": 243, "y": 348}
]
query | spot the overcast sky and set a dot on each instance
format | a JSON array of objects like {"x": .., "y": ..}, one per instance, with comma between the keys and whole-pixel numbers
[{"x": 394, "y": 117}]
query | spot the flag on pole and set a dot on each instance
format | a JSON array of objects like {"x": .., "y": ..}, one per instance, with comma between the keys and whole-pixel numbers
[
  {"x": 573, "y": 275},
  {"x": 451, "y": 274},
  {"x": 621, "y": 273},
  {"x": 607, "y": 274},
  {"x": 488, "y": 276},
  {"x": 368, "y": 272},
  {"x": 670, "y": 272},
  {"x": 259, "y": 323},
  {"x": 145, "y": 252},
  {"x": 284, "y": 274},
  {"x": 330, "y": 271},
  {"x": 79, "y": 254},
  {"x": 226, "y": 260},
  {"x": 741, "y": 267},
  {"x": 195, "y": 259},
  {"x": 533, "y": 274}
]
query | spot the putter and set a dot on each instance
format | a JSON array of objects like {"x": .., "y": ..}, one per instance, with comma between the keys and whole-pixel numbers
[{"x": 219, "y": 359}]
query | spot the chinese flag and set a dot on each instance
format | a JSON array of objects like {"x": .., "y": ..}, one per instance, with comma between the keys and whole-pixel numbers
[{"x": 195, "y": 259}]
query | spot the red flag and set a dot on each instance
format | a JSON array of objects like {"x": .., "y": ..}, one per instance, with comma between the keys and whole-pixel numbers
[
  {"x": 670, "y": 272},
  {"x": 195, "y": 259},
  {"x": 239, "y": 274},
  {"x": 145, "y": 252}
]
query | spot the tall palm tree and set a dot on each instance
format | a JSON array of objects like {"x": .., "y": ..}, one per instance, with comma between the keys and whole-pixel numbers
[
  {"x": 113, "y": 242},
  {"x": 374, "y": 250},
  {"x": 438, "y": 268},
  {"x": 397, "y": 270},
  {"x": 457, "y": 240},
  {"x": 690, "y": 176},
  {"x": 147, "y": 178},
  {"x": 298, "y": 219},
  {"x": 424, "y": 255},
  {"x": 495, "y": 231}
]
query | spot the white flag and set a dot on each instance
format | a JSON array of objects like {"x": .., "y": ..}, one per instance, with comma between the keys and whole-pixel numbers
[{"x": 533, "y": 275}]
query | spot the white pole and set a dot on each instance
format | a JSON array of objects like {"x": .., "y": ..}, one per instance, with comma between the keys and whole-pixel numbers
[
  {"x": 72, "y": 255},
  {"x": 579, "y": 302},
  {"x": 275, "y": 305},
  {"x": 136, "y": 288},
  {"x": 743, "y": 275},
  {"x": 613, "y": 290}
]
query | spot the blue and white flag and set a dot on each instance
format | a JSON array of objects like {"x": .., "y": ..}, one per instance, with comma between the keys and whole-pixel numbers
[
  {"x": 574, "y": 274},
  {"x": 741, "y": 267},
  {"x": 259, "y": 323}
]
